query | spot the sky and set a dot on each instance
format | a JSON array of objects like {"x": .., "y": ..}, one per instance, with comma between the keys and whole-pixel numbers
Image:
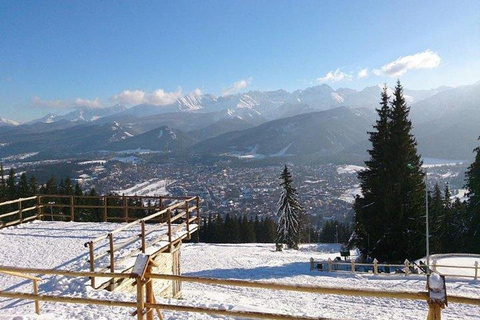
[{"x": 56, "y": 56}]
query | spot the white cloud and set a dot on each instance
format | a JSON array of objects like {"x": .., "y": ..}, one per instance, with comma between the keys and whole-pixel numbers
[
  {"x": 422, "y": 60},
  {"x": 362, "y": 73},
  {"x": 56, "y": 104},
  {"x": 336, "y": 76},
  {"x": 95, "y": 103},
  {"x": 377, "y": 72},
  {"x": 130, "y": 97},
  {"x": 198, "y": 92},
  {"x": 236, "y": 87},
  {"x": 161, "y": 98}
]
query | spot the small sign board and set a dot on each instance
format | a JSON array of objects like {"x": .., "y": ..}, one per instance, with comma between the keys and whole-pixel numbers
[{"x": 140, "y": 266}]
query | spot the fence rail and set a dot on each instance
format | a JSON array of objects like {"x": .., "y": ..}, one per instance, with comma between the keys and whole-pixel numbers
[{"x": 410, "y": 295}]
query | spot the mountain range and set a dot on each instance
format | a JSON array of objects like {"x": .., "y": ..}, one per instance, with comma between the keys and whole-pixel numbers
[{"x": 316, "y": 121}]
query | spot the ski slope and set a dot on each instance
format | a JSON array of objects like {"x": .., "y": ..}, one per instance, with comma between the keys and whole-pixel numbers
[{"x": 60, "y": 245}]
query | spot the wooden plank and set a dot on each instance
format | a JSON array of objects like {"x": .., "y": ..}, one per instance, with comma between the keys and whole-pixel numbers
[
  {"x": 17, "y": 200},
  {"x": 20, "y": 275}
]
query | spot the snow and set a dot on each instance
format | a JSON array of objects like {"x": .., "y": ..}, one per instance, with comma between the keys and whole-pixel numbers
[
  {"x": 349, "y": 169},
  {"x": 152, "y": 187},
  {"x": 92, "y": 162},
  {"x": 60, "y": 245},
  {"x": 434, "y": 162},
  {"x": 350, "y": 194}
]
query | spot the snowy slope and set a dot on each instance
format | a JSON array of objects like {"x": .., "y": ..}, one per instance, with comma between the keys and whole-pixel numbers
[{"x": 60, "y": 245}]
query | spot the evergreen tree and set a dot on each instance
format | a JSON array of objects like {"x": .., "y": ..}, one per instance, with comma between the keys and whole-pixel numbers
[
  {"x": 388, "y": 217},
  {"x": 370, "y": 209},
  {"x": 289, "y": 210},
  {"x": 11, "y": 185},
  {"x": 33, "y": 185},
  {"x": 23, "y": 189},
  {"x": 472, "y": 217},
  {"x": 3, "y": 186}
]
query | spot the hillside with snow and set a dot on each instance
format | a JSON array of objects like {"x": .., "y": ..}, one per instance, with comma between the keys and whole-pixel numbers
[{"x": 60, "y": 245}]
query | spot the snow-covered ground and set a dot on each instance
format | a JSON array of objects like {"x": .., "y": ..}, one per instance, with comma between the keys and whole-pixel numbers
[{"x": 60, "y": 245}]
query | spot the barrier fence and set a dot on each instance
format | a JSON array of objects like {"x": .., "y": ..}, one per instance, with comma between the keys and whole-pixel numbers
[
  {"x": 377, "y": 268},
  {"x": 145, "y": 309}
]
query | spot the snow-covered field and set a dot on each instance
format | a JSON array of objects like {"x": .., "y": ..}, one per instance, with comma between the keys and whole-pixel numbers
[{"x": 60, "y": 245}]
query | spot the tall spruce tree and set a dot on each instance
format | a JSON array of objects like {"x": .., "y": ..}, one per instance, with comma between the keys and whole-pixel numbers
[
  {"x": 472, "y": 215},
  {"x": 370, "y": 215},
  {"x": 289, "y": 210},
  {"x": 388, "y": 215}
]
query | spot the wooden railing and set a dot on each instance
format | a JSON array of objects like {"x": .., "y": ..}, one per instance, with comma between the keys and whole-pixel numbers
[
  {"x": 111, "y": 208},
  {"x": 379, "y": 268},
  {"x": 146, "y": 307},
  {"x": 153, "y": 234},
  {"x": 22, "y": 210},
  {"x": 25, "y": 276}
]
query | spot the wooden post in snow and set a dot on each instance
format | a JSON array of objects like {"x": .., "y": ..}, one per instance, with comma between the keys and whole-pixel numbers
[
  {"x": 72, "y": 209},
  {"x": 105, "y": 208},
  {"x": 476, "y": 270},
  {"x": 407, "y": 267},
  {"x": 353, "y": 265},
  {"x": 329, "y": 264},
  {"x": 312, "y": 264},
  {"x": 375, "y": 266}
]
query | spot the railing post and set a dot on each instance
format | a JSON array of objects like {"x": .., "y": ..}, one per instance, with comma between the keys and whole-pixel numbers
[
  {"x": 329, "y": 264},
  {"x": 375, "y": 266},
  {"x": 125, "y": 208},
  {"x": 142, "y": 236},
  {"x": 140, "y": 298},
  {"x": 72, "y": 209},
  {"x": 407, "y": 267},
  {"x": 187, "y": 214},
  {"x": 312, "y": 264},
  {"x": 434, "y": 266},
  {"x": 39, "y": 208},
  {"x": 169, "y": 221},
  {"x": 20, "y": 213},
  {"x": 197, "y": 203},
  {"x": 476, "y": 270},
  {"x": 92, "y": 263},
  {"x": 353, "y": 265},
  {"x": 35, "y": 291},
  {"x": 112, "y": 259}
]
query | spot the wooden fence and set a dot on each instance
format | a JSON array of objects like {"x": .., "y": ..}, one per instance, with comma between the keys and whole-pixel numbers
[
  {"x": 143, "y": 308},
  {"x": 166, "y": 228},
  {"x": 112, "y": 208},
  {"x": 378, "y": 268}
]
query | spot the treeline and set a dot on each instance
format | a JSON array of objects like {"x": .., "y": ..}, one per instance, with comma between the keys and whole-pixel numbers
[
  {"x": 240, "y": 229},
  {"x": 335, "y": 232},
  {"x": 25, "y": 186}
]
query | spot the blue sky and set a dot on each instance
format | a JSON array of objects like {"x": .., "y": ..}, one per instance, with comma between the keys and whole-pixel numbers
[{"x": 56, "y": 55}]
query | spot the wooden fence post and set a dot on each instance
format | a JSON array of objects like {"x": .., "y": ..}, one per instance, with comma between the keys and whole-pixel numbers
[
  {"x": 92, "y": 263},
  {"x": 112, "y": 259},
  {"x": 72, "y": 209},
  {"x": 105, "y": 199},
  {"x": 125, "y": 208},
  {"x": 20, "y": 213},
  {"x": 142, "y": 236},
  {"x": 169, "y": 221},
  {"x": 434, "y": 266},
  {"x": 140, "y": 298},
  {"x": 187, "y": 214},
  {"x": 35, "y": 291},
  {"x": 353, "y": 265},
  {"x": 476, "y": 270},
  {"x": 375, "y": 266},
  {"x": 329, "y": 264},
  {"x": 312, "y": 264},
  {"x": 197, "y": 202},
  {"x": 39, "y": 208},
  {"x": 407, "y": 267}
]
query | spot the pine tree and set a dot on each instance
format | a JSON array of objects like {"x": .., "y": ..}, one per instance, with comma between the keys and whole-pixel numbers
[
  {"x": 388, "y": 223},
  {"x": 11, "y": 185},
  {"x": 289, "y": 210},
  {"x": 370, "y": 213},
  {"x": 472, "y": 216}
]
